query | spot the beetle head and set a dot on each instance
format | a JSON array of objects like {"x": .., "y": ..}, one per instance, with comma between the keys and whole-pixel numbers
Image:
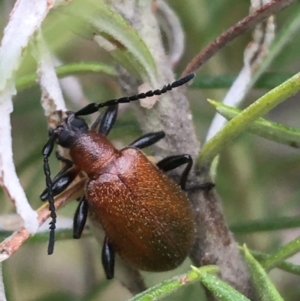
[{"x": 70, "y": 130}]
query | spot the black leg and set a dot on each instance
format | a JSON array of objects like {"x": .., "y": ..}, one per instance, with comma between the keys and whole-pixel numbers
[
  {"x": 94, "y": 107},
  {"x": 147, "y": 140},
  {"x": 62, "y": 180},
  {"x": 68, "y": 165},
  {"x": 106, "y": 121},
  {"x": 80, "y": 218},
  {"x": 173, "y": 162},
  {"x": 60, "y": 183},
  {"x": 108, "y": 259},
  {"x": 59, "y": 157}
]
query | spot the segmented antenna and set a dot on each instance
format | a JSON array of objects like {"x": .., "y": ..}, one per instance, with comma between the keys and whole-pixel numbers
[
  {"x": 47, "y": 150},
  {"x": 94, "y": 107}
]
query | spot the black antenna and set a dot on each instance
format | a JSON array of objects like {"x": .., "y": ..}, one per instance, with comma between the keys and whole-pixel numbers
[
  {"x": 47, "y": 150},
  {"x": 94, "y": 107}
]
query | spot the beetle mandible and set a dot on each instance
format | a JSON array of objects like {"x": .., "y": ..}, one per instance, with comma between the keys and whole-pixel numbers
[{"x": 146, "y": 216}]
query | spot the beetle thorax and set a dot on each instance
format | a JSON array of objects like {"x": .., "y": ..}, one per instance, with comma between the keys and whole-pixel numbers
[{"x": 92, "y": 153}]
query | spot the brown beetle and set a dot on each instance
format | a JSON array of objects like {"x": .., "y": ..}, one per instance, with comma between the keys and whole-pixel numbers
[{"x": 146, "y": 216}]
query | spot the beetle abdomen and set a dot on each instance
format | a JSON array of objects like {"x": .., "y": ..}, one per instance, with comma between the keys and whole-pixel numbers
[{"x": 145, "y": 215}]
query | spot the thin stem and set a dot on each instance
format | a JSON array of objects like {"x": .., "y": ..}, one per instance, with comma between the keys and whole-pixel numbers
[{"x": 233, "y": 32}]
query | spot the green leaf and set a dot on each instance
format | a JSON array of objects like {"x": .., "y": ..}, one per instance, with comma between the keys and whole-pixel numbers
[
  {"x": 166, "y": 287},
  {"x": 127, "y": 46},
  {"x": 283, "y": 265},
  {"x": 263, "y": 285},
  {"x": 218, "y": 287},
  {"x": 262, "y": 127},
  {"x": 29, "y": 80},
  {"x": 270, "y": 224},
  {"x": 285, "y": 252},
  {"x": 169, "y": 286},
  {"x": 243, "y": 120}
]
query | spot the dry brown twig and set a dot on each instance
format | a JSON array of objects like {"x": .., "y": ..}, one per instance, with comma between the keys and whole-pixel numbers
[
  {"x": 11, "y": 244},
  {"x": 235, "y": 31}
]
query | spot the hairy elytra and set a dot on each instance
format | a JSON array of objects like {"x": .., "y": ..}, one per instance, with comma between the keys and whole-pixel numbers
[{"x": 146, "y": 216}]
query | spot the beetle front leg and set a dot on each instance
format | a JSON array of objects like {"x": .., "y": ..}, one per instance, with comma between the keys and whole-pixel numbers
[
  {"x": 80, "y": 218},
  {"x": 62, "y": 180},
  {"x": 60, "y": 158},
  {"x": 108, "y": 259}
]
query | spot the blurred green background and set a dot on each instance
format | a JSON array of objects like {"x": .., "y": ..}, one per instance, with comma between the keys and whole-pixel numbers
[{"x": 257, "y": 179}]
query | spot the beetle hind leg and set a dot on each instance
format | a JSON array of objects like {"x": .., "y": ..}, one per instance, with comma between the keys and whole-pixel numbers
[
  {"x": 173, "y": 162},
  {"x": 108, "y": 259}
]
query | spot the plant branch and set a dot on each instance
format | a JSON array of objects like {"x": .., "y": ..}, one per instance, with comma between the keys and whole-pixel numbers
[
  {"x": 11, "y": 244},
  {"x": 233, "y": 32}
]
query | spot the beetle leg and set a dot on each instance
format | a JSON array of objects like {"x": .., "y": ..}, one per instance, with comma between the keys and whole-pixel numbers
[
  {"x": 108, "y": 259},
  {"x": 80, "y": 218},
  {"x": 62, "y": 180},
  {"x": 147, "y": 140},
  {"x": 68, "y": 165},
  {"x": 173, "y": 162},
  {"x": 106, "y": 120},
  {"x": 63, "y": 159},
  {"x": 60, "y": 183}
]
